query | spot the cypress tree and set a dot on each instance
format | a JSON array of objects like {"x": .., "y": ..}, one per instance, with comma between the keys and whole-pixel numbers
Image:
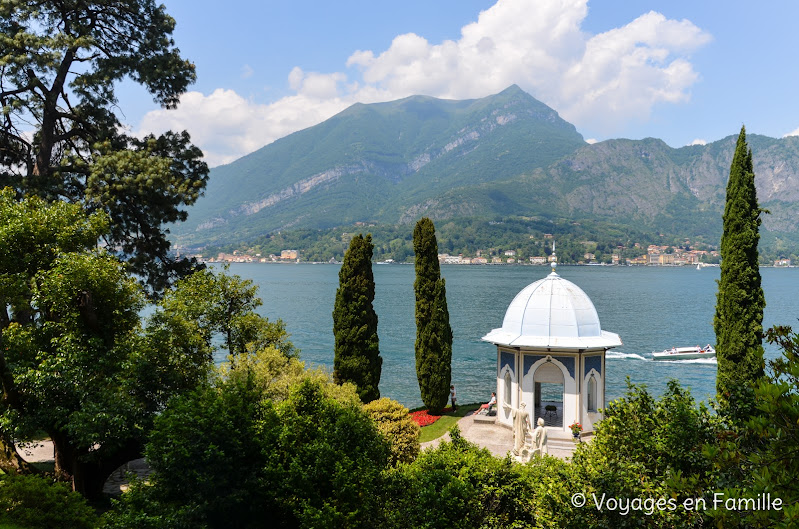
[
  {"x": 357, "y": 349},
  {"x": 740, "y": 302},
  {"x": 433, "y": 333}
]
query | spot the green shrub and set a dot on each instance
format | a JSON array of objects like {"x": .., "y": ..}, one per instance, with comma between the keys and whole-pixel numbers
[
  {"x": 143, "y": 506},
  {"x": 396, "y": 425},
  {"x": 35, "y": 502},
  {"x": 648, "y": 448},
  {"x": 223, "y": 457},
  {"x": 459, "y": 485}
]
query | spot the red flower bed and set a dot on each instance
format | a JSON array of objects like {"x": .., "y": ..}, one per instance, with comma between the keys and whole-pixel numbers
[{"x": 424, "y": 418}]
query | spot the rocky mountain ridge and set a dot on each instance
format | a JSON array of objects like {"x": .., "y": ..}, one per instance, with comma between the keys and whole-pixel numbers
[{"x": 506, "y": 154}]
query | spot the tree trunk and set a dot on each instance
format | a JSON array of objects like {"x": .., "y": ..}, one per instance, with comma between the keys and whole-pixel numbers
[
  {"x": 42, "y": 168},
  {"x": 88, "y": 472},
  {"x": 10, "y": 460}
]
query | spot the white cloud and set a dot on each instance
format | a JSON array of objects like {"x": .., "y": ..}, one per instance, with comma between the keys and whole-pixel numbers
[
  {"x": 591, "y": 141},
  {"x": 246, "y": 71},
  {"x": 698, "y": 141},
  {"x": 594, "y": 81},
  {"x": 226, "y": 126},
  {"x": 794, "y": 133}
]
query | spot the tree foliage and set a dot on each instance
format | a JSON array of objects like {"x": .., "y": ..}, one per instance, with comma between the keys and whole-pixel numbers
[
  {"x": 647, "y": 448},
  {"x": 78, "y": 363},
  {"x": 738, "y": 321},
  {"x": 460, "y": 485},
  {"x": 69, "y": 327},
  {"x": 775, "y": 466},
  {"x": 397, "y": 426},
  {"x": 764, "y": 454},
  {"x": 35, "y": 502},
  {"x": 61, "y": 138},
  {"x": 220, "y": 311},
  {"x": 226, "y": 456},
  {"x": 433, "y": 332},
  {"x": 274, "y": 375},
  {"x": 357, "y": 348}
]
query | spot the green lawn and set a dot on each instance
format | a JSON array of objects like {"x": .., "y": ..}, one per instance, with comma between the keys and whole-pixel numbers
[{"x": 447, "y": 421}]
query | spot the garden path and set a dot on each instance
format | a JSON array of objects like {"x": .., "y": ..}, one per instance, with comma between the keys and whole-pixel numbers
[{"x": 499, "y": 439}]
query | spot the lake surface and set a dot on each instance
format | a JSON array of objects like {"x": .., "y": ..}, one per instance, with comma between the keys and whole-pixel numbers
[{"x": 651, "y": 308}]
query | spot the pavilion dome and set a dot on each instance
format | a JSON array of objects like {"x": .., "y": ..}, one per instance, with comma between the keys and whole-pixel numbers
[{"x": 552, "y": 313}]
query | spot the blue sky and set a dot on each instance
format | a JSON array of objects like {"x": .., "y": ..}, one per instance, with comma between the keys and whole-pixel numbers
[{"x": 683, "y": 71}]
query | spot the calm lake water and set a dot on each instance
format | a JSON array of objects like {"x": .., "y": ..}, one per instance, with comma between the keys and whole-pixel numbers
[{"x": 651, "y": 308}]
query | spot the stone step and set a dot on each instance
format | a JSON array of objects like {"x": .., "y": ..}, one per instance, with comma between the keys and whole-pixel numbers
[
  {"x": 561, "y": 444},
  {"x": 485, "y": 419}
]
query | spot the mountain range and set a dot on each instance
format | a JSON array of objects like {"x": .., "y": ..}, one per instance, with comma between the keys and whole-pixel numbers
[{"x": 503, "y": 155}]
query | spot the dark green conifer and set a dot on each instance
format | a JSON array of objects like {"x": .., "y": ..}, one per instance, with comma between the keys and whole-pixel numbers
[
  {"x": 740, "y": 302},
  {"x": 357, "y": 350},
  {"x": 433, "y": 332}
]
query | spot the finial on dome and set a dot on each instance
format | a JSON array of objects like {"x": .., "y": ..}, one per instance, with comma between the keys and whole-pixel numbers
[{"x": 554, "y": 258}]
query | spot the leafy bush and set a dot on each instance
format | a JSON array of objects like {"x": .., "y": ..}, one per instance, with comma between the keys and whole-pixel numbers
[
  {"x": 143, "y": 506},
  {"x": 647, "y": 448},
  {"x": 397, "y": 426},
  {"x": 35, "y": 502},
  {"x": 757, "y": 457},
  {"x": 324, "y": 461},
  {"x": 274, "y": 374},
  {"x": 458, "y": 485},
  {"x": 207, "y": 443},
  {"x": 226, "y": 457}
]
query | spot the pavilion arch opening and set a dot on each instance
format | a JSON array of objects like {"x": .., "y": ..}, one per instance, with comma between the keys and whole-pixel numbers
[
  {"x": 592, "y": 393},
  {"x": 549, "y": 390},
  {"x": 508, "y": 395}
]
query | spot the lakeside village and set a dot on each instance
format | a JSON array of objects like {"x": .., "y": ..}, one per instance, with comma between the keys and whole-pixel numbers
[{"x": 655, "y": 256}]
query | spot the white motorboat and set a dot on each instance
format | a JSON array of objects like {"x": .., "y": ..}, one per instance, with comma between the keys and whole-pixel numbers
[{"x": 685, "y": 353}]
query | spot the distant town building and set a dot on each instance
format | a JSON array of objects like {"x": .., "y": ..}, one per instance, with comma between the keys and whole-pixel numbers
[
  {"x": 445, "y": 258},
  {"x": 288, "y": 254},
  {"x": 666, "y": 259},
  {"x": 510, "y": 253},
  {"x": 538, "y": 260},
  {"x": 235, "y": 257},
  {"x": 782, "y": 262}
]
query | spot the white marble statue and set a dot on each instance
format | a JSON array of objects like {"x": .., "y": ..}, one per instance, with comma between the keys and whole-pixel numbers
[
  {"x": 521, "y": 425},
  {"x": 540, "y": 439}
]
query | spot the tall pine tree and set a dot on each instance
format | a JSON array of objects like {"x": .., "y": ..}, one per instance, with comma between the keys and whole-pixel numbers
[
  {"x": 357, "y": 350},
  {"x": 433, "y": 332},
  {"x": 739, "y": 306}
]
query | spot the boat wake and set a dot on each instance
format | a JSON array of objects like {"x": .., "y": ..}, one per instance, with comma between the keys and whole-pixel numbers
[
  {"x": 633, "y": 356},
  {"x": 706, "y": 361},
  {"x": 619, "y": 354}
]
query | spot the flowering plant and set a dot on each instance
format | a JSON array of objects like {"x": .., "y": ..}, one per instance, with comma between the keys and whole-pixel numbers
[
  {"x": 576, "y": 428},
  {"x": 424, "y": 418}
]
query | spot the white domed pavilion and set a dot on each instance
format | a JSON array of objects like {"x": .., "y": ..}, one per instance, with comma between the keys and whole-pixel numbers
[{"x": 551, "y": 355}]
